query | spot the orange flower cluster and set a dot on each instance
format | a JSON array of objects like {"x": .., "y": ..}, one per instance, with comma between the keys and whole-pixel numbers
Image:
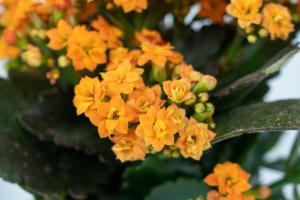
[
  {"x": 231, "y": 181},
  {"x": 275, "y": 18},
  {"x": 86, "y": 48},
  {"x": 139, "y": 102},
  {"x": 20, "y": 15}
]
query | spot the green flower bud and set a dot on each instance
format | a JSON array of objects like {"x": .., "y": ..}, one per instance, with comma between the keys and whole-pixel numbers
[
  {"x": 199, "y": 108},
  {"x": 159, "y": 74},
  {"x": 209, "y": 107},
  {"x": 203, "y": 97},
  {"x": 207, "y": 83}
]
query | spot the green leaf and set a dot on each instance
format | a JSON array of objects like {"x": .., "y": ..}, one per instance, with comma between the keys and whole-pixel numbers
[
  {"x": 43, "y": 168},
  {"x": 55, "y": 120},
  {"x": 182, "y": 189},
  {"x": 269, "y": 69},
  {"x": 155, "y": 170},
  {"x": 261, "y": 117}
]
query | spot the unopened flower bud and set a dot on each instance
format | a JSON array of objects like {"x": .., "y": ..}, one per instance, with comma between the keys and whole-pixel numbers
[
  {"x": 53, "y": 76},
  {"x": 252, "y": 38},
  {"x": 203, "y": 97},
  {"x": 175, "y": 154},
  {"x": 209, "y": 107},
  {"x": 263, "y": 33},
  {"x": 42, "y": 34},
  {"x": 50, "y": 62},
  {"x": 207, "y": 83},
  {"x": 264, "y": 192},
  {"x": 32, "y": 56},
  {"x": 34, "y": 33},
  {"x": 190, "y": 101},
  {"x": 63, "y": 61},
  {"x": 201, "y": 117},
  {"x": 159, "y": 74},
  {"x": 199, "y": 108},
  {"x": 10, "y": 36},
  {"x": 167, "y": 152}
]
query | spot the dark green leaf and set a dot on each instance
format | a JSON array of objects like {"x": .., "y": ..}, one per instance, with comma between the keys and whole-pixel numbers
[
  {"x": 42, "y": 167},
  {"x": 54, "y": 119},
  {"x": 254, "y": 78},
  {"x": 182, "y": 189},
  {"x": 261, "y": 117},
  {"x": 155, "y": 170}
]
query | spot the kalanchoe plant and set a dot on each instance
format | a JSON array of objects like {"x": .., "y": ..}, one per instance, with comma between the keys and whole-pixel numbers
[{"x": 145, "y": 99}]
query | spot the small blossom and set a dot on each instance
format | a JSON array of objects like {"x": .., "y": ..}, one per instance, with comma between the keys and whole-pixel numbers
[
  {"x": 32, "y": 56},
  {"x": 112, "y": 117},
  {"x": 110, "y": 34},
  {"x": 86, "y": 49},
  {"x": 87, "y": 93},
  {"x": 59, "y": 36},
  {"x": 132, "y": 5},
  {"x": 149, "y": 37},
  {"x": 124, "y": 79},
  {"x": 177, "y": 117},
  {"x": 141, "y": 100},
  {"x": 129, "y": 147},
  {"x": 156, "y": 129},
  {"x": 119, "y": 55},
  {"x": 213, "y": 9},
  {"x": 187, "y": 72},
  {"x": 230, "y": 178},
  {"x": 277, "y": 21},
  {"x": 246, "y": 11},
  {"x": 10, "y": 36},
  {"x": 194, "y": 139},
  {"x": 159, "y": 55},
  {"x": 178, "y": 90}
]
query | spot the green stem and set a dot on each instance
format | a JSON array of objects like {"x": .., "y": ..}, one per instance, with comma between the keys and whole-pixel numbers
[
  {"x": 235, "y": 47},
  {"x": 294, "y": 153}
]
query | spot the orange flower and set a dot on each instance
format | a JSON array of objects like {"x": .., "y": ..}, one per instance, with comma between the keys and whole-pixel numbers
[
  {"x": 124, "y": 79},
  {"x": 59, "y": 36},
  {"x": 15, "y": 13},
  {"x": 87, "y": 93},
  {"x": 141, "y": 100},
  {"x": 178, "y": 90},
  {"x": 159, "y": 55},
  {"x": 245, "y": 11},
  {"x": 86, "y": 49},
  {"x": 120, "y": 55},
  {"x": 132, "y": 5},
  {"x": 187, "y": 72},
  {"x": 277, "y": 21},
  {"x": 129, "y": 147},
  {"x": 110, "y": 34},
  {"x": 230, "y": 178},
  {"x": 194, "y": 139},
  {"x": 156, "y": 129},
  {"x": 112, "y": 117},
  {"x": 177, "y": 117},
  {"x": 148, "y": 36},
  {"x": 213, "y": 9},
  {"x": 8, "y": 51}
]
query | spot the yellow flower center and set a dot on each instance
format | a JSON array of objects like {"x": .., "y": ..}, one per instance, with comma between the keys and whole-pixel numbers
[
  {"x": 160, "y": 128},
  {"x": 144, "y": 104},
  {"x": 178, "y": 93},
  {"x": 277, "y": 18}
]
